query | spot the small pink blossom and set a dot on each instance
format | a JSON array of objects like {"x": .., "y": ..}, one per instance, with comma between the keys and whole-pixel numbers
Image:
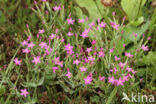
[
  {"x": 122, "y": 65},
  {"x": 57, "y": 8},
  {"x": 88, "y": 80},
  {"x": 116, "y": 58},
  {"x": 91, "y": 58},
  {"x": 114, "y": 25},
  {"x": 24, "y": 92},
  {"x": 128, "y": 55},
  {"x": 145, "y": 48},
  {"x": 41, "y": 31},
  {"x": 84, "y": 35},
  {"x": 69, "y": 34},
  {"x": 119, "y": 82},
  {"x": 102, "y": 78},
  {"x": 25, "y": 50},
  {"x": 52, "y": 36},
  {"x": 111, "y": 50},
  {"x": 68, "y": 74},
  {"x": 111, "y": 80},
  {"x": 83, "y": 69},
  {"x": 68, "y": 47},
  {"x": 89, "y": 49},
  {"x": 70, "y": 21},
  {"x": 102, "y": 24},
  {"x": 31, "y": 45},
  {"x": 54, "y": 69},
  {"x": 76, "y": 62},
  {"x": 36, "y": 60},
  {"x": 24, "y": 43},
  {"x": 81, "y": 21},
  {"x": 17, "y": 62},
  {"x": 129, "y": 69},
  {"x": 43, "y": 44}
]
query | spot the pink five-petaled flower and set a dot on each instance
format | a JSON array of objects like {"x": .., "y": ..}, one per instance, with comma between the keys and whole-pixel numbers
[
  {"x": 116, "y": 58},
  {"x": 43, "y": 44},
  {"x": 17, "y": 62},
  {"x": 41, "y": 31},
  {"x": 129, "y": 69},
  {"x": 54, "y": 69},
  {"x": 24, "y": 92},
  {"x": 25, "y": 50},
  {"x": 31, "y": 45},
  {"x": 101, "y": 53},
  {"x": 89, "y": 49},
  {"x": 111, "y": 80},
  {"x": 125, "y": 78},
  {"x": 81, "y": 21},
  {"x": 111, "y": 50},
  {"x": 102, "y": 78},
  {"x": 91, "y": 58},
  {"x": 128, "y": 55},
  {"x": 52, "y": 36},
  {"x": 145, "y": 48},
  {"x": 68, "y": 74},
  {"x": 114, "y": 25},
  {"x": 68, "y": 47},
  {"x": 119, "y": 82},
  {"x": 102, "y": 24},
  {"x": 76, "y": 62},
  {"x": 36, "y": 60},
  {"x": 43, "y": 0},
  {"x": 122, "y": 65},
  {"x": 84, "y": 35},
  {"x": 24, "y": 43},
  {"x": 70, "y": 21},
  {"x": 83, "y": 69},
  {"x": 69, "y": 34},
  {"x": 88, "y": 80},
  {"x": 57, "y": 8}
]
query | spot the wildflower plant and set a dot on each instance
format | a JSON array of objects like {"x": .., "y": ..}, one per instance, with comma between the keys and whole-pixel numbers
[{"x": 76, "y": 57}]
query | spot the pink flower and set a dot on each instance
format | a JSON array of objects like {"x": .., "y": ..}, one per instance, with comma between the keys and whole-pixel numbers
[
  {"x": 145, "y": 48},
  {"x": 129, "y": 69},
  {"x": 128, "y": 55},
  {"x": 119, "y": 82},
  {"x": 93, "y": 42},
  {"x": 102, "y": 24},
  {"x": 116, "y": 58},
  {"x": 111, "y": 50},
  {"x": 102, "y": 78},
  {"x": 84, "y": 35},
  {"x": 88, "y": 80},
  {"x": 25, "y": 50},
  {"x": 43, "y": 44},
  {"x": 41, "y": 31},
  {"x": 36, "y": 60},
  {"x": 89, "y": 49},
  {"x": 83, "y": 69},
  {"x": 81, "y": 21},
  {"x": 24, "y": 43},
  {"x": 52, "y": 36},
  {"x": 70, "y": 21},
  {"x": 114, "y": 25},
  {"x": 122, "y": 65},
  {"x": 101, "y": 53},
  {"x": 125, "y": 78},
  {"x": 54, "y": 69},
  {"x": 24, "y": 92},
  {"x": 69, "y": 34},
  {"x": 43, "y": 0},
  {"x": 17, "y": 62},
  {"x": 91, "y": 58},
  {"x": 111, "y": 80},
  {"x": 57, "y": 8},
  {"x": 68, "y": 74},
  {"x": 68, "y": 47},
  {"x": 76, "y": 62},
  {"x": 134, "y": 71},
  {"x": 92, "y": 24},
  {"x": 31, "y": 45}
]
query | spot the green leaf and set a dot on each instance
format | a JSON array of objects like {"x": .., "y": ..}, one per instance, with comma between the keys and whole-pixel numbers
[
  {"x": 132, "y": 7},
  {"x": 129, "y": 30},
  {"x": 111, "y": 95},
  {"x": 2, "y": 90},
  {"x": 93, "y": 10}
]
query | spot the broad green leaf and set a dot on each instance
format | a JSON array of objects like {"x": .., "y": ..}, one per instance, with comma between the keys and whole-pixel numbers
[
  {"x": 90, "y": 5},
  {"x": 130, "y": 30},
  {"x": 132, "y": 7}
]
